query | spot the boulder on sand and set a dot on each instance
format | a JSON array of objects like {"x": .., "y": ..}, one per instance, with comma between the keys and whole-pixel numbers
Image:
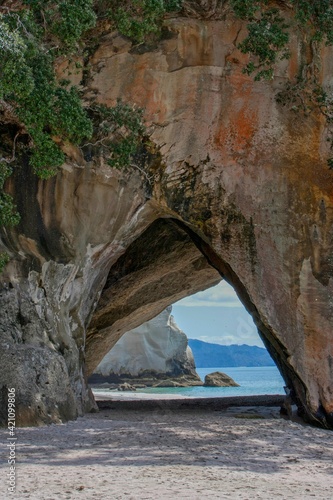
[{"x": 219, "y": 379}]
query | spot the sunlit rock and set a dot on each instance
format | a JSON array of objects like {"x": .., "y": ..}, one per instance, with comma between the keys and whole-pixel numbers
[
  {"x": 156, "y": 353},
  {"x": 219, "y": 379}
]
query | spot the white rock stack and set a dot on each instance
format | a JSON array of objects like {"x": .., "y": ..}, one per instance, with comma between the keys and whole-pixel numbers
[{"x": 157, "y": 349}]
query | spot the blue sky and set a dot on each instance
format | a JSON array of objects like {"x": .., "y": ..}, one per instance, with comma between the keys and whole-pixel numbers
[{"x": 216, "y": 315}]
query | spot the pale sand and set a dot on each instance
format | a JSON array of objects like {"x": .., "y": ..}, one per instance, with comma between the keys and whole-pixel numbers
[{"x": 173, "y": 455}]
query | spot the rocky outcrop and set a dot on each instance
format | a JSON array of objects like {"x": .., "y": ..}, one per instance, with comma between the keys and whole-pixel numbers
[
  {"x": 241, "y": 190},
  {"x": 126, "y": 387},
  {"x": 156, "y": 352},
  {"x": 219, "y": 379}
]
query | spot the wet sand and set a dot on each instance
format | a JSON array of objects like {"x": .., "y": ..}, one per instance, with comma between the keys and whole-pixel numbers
[
  {"x": 117, "y": 400},
  {"x": 161, "y": 453}
]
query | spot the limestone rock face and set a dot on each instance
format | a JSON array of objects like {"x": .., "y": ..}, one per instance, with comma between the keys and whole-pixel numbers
[
  {"x": 219, "y": 379},
  {"x": 156, "y": 350},
  {"x": 241, "y": 190}
]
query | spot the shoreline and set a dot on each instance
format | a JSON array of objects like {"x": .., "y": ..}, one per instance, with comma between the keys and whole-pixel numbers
[{"x": 126, "y": 401}]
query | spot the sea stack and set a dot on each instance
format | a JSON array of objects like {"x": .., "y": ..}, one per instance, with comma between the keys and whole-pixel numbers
[{"x": 155, "y": 353}]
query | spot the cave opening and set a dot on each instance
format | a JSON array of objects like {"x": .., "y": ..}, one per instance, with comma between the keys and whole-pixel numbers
[
  {"x": 204, "y": 333},
  {"x": 167, "y": 263},
  {"x": 223, "y": 338}
]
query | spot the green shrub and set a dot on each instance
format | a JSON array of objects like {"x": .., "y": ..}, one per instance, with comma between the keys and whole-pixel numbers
[
  {"x": 316, "y": 15},
  {"x": 67, "y": 20},
  {"x": 40, "y": 106},
  {"x": 118, "y": 133},
  {"x": 8, "y": 214},
  {"x": 139, "y": 19},
  {"x": 246, "y": 9},
  {"x": 268, "y": 37},
  {"x": 266, "y": 40},
  {"x": 4, "y": 258}
]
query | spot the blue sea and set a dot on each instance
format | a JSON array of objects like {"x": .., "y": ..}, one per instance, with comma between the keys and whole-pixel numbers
[{"x": 252, "y": 381}]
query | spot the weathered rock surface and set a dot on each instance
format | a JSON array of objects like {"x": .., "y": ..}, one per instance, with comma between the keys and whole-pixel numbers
[
  {"x": 219, "y": 379},
  {"x": 242, "y": 191},
  {"x": 156, "y": 352}
]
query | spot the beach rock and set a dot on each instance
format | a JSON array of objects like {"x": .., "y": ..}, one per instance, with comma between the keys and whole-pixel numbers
[
  {"x": 219, "y": 379},
  {"x": 126, "y": 387},
  {"x": 156, "y": 352},
  {"x": 236, "y": 185}
]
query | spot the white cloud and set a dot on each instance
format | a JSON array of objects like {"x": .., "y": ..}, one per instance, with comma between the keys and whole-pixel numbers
[
  {"x": 243, "y": 331},
  {"x": 217, "y": 316},
  {"x": 221, "y": 295}
]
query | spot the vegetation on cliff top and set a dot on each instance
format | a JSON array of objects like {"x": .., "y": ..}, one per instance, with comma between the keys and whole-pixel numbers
[
  {"x": 39, "y": 113},
  {"x": 268, "y": 34},
  {"x": 139, "y": 19}
]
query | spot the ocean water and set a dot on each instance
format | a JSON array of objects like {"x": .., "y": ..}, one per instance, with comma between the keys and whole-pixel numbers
[{"x": 252, "y": 381}]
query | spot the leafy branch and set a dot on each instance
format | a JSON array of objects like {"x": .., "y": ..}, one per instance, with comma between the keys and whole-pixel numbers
[
  {"x": 36, "y": 112},
  {"x": 140, "y": 20},
  {"x": 119, "y": 134},
  {"x": 267, "y": 41}
]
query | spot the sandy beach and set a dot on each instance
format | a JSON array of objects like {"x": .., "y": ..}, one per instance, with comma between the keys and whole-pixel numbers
[{"x": 239, "y": 453}]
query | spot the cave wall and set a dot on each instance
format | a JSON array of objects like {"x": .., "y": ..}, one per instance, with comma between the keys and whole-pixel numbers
[{"x": 244, "y": 191}]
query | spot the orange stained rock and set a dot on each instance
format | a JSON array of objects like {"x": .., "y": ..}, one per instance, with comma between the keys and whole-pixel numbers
[{"x": 240, "y": 121}]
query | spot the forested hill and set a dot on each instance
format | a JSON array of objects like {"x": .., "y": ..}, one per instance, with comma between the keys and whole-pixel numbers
[{"x": 214, "y": 355}]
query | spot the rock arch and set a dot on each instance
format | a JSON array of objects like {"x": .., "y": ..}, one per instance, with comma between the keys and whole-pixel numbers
[
  {"x": 242, "y": 190},
  {"x": 161, "y": 266},
  {"x": 169, "y": 261}
]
